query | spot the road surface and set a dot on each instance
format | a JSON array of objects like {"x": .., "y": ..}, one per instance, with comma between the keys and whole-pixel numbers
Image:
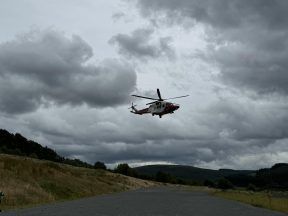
[{"x": 153, "y": 201}]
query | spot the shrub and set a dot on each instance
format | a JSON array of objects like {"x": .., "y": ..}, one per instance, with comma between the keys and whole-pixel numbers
[
  {"x": 99, "y": 165},
  {"x": 224, "y": 184},
  {"x": 209, "y": 183},
  {"x": 251, "y": 187}
]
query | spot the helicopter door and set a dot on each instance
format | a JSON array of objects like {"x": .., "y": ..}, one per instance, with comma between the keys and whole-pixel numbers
[{"x": 158, "y": 106}]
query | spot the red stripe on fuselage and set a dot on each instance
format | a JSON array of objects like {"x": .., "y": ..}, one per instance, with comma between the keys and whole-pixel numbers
[{"x": 170, "y": 108}]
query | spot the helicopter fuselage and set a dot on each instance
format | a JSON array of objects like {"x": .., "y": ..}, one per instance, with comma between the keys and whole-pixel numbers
[
  {"x": 158, "y": 106},
  {"x": 162, "y": 107}
]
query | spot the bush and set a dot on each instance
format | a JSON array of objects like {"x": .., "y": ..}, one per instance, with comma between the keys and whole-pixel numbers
[
  {"x": 122, "y": 169},
  {"x": 224, "y": 184},
  {"x": 125, "y": 170},
  {"x": 165, "y": 177},
  {"x": 99, "y": 165},
  {"x": 209, "y": 183},
  {"x": 251, "y": 187}
]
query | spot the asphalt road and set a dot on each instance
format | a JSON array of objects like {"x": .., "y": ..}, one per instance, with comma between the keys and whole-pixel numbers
[{"x": 153, "y": 201}]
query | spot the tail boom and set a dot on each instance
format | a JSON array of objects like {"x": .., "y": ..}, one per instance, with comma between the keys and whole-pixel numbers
[{"x": 140, "y": 112}]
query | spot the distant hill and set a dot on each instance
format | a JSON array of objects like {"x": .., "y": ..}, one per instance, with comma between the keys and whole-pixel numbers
[
  {"x": 275, "y": 177},
  {"x": 190, "y": 173},
  {"x": 16, "y": 144}
]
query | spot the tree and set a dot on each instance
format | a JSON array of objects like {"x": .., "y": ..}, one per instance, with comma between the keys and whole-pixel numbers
[
  {"x": 165, "y": 177},
  {"x": 126, "y": 170},
  {"x": 251, "y": 187},
  {"x": 209, "y": 183},
  {"x": 122, "y": 169},
  {"x": 225, "y": 184},
  {"x": 99, "y": 165}
]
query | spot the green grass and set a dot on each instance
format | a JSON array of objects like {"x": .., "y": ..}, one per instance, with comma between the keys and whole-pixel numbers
[
  {"x": 277, "y": 201},
  {"x": 28, "y": 182}
]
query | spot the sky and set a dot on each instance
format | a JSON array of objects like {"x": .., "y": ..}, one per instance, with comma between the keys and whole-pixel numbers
[{"x": 68, "y": 69}]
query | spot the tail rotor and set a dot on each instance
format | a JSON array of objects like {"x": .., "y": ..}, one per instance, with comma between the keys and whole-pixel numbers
[{"x": 133, "y": 109}]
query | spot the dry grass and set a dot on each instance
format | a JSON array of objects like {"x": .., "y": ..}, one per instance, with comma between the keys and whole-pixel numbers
[
  {"x": 27, "y": 182},
  {"x": 277, "y": 201}
]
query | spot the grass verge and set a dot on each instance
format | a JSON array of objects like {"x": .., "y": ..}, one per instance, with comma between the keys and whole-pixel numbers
[
  {"x": 29, "y": 182},
  {"x": 277, "y": 201}
]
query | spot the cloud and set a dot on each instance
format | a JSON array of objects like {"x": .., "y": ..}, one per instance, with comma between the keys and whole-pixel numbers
[
  {"x": 111, "y": 135},
  {"x": 245, "y": 119},
  {"x": 221, "y": 14},
  {"x": 230, "y": 133},
  {"x": 140, "y": 45},
  {"x": 245, "y": 66},
  {"x": 65, "y": 101},
  {"x": 46, "y": 67},
  {"x": 248, "y": 40}
]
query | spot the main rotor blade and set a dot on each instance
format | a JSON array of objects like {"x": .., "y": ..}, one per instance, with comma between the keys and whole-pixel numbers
[
  {"x": 159, "y": 95},
  {"x": 144, "y": 97},
  {"x": 177, "y": 97},
  {"x": 152, "y": 102}
]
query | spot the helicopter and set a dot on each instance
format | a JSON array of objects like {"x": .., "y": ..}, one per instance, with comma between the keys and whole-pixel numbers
[{"x": 158, "y": 107}]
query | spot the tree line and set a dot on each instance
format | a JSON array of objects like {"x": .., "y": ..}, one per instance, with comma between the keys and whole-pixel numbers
[{"x": 19, "y": 145}]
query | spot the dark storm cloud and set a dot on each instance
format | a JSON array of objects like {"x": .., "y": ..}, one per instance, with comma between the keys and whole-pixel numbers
[
  {"x": 175, "y": 150},
  {"x": 247, "y": 120},
  {"x": 221, "y": 14},
  {"x": 96, "y": 134},
  {"x": 249, "y": 39},
  {"x": 46, "y": 67},
  {"x": 224, "y": 135},
  {"x": 258, "y": 68},
  {"x": 140, "y": 44}
]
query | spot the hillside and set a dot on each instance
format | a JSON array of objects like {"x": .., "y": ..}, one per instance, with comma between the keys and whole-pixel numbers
[
  {"x": 16, "y": 144},
  {"x": 275, "y": 177},
  {"x": 26, "y": 181},
  {"x": 190, "y": 173}
]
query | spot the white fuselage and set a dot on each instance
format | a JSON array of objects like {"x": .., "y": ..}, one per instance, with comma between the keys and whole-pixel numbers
[{"x": 157, "y": 107}]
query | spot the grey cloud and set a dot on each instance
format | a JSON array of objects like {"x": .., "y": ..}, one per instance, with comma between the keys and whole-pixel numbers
[
  {"x": 247, "y": 41},
  {"x": 175, "y": 151},
  {"x": 250, "y": 37},
  {"x": 235, "y": 131},
  {"x": 46, "y": 67},
  {"x": 250, "y": 67},
  {"x": 232, "y": 136},
  {"x": 248, "y": 120},
  {"x": 105, "y": 134},
  {"x": 140, "y": 44},
  {"x": 222, "y": 13},
  {"x": 221, "y": 152},
  {"x": 117, "y": 16},
  {"x": 245, "y": 131}
]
